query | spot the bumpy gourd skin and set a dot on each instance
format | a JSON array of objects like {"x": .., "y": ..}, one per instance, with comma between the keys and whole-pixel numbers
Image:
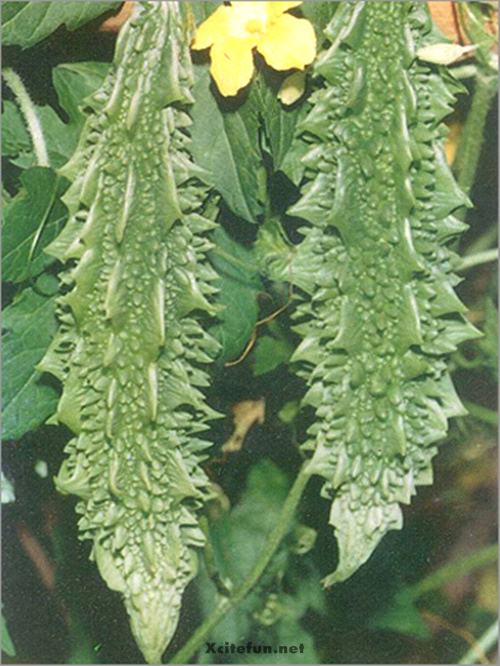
[
  {"x": 130, "y": 347},
  {"x": 379, "y": 314}
]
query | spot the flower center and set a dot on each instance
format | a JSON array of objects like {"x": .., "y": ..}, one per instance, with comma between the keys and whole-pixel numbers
[{"x": 254, "y": 25}]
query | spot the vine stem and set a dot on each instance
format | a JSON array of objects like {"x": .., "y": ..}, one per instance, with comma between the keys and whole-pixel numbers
[
  {"x": 485, "y": 241},
  {"x": 455, "y": 570},
  {"x": 28, "y": 110},
  {"x": 482, "y": 413},
  {"x": 482, "y": 646},
  {"x": 477, "y": 259},
  {"x": 228, "y": 603},
  {"x": 469, "y": 149}
]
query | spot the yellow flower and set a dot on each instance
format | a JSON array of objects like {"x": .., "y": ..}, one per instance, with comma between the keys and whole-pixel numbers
[{"x": 233, "y": 31}]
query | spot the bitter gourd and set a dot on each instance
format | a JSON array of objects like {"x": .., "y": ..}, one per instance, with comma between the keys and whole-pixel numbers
[
  {"x": 130, "y": 345},
  {"x": 376, "y": 308}
]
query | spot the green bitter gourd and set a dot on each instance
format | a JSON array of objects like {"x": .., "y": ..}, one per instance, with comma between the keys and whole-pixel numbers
[
  {"x": 129, "y": 347},
  {"x": 377, "y": 312}
]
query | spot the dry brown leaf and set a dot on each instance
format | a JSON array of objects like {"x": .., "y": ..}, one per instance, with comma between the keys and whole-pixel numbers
[
  {"x": 245, "y": 414},
  {"x": 35, "y": 551},
  {"x": 444, "y": 17},
  {"x": 219, "y": 504},
  {"x": 451, "y": 144}
]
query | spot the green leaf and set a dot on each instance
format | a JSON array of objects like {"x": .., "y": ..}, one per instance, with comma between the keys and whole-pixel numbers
[
  {"x": 402, "y": 616},
  {"x": 9, "y": 10},
  {"x": 320, "y": 14},
  {"x": 202, "y": 10},
  {"x": 74, "y": 82},
  {"x": 265, "y": 617},
  {"x": 26, "y": 23},
  {"x": 279, "y": 121},
  {"x": 7, "y": 644},
  {"x": 29, "y": 325},
  {"x": 225, "y": 143},
  {"x": 60, "y": 138},
  {"x": 227, "y": 137},
  {"x": 248, "y": 525},
  {"x": 31, "y": 221},
  {"x": 269, "y": 354},
  {"x": 289, "y": 412},
  {"x": 15, "y": 136},
  {"x": 239, "y": 284},
  {"x": 476, "y": 21}
]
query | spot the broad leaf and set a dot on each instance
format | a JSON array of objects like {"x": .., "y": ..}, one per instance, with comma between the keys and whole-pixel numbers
[
  {"x": 26, "y": 23},
  {"x": 60, "y": 138},
  {"x": 320, "y": 14},
  {"x": 225, "y": 143},
  {"x": 29, "y": 325},
  {"x": 74, "y": 82},
  {"x": 239, "y": 284},
  {"x": 202, "y": 10},
  {"x": 15, "y": 137},
  {"x": 31, "y": 221},
  {"x": 279, "y": 121},
  {"x": 402, "y": 616},
  {"x": 269, "y": 354}
]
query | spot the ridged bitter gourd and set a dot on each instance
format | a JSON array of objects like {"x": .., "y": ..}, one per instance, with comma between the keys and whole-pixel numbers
[
  {"x": 130, "y": 348},
  {"x": 376, "y": 309}
]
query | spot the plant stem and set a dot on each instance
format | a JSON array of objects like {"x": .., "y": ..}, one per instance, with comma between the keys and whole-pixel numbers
[
  {"x": 469, "y": 149},
  {"x": 455, "y": 570},
  {"x": 478, "y": 259},
  {"x": 482, "y": 646},
  {"x": 484, "y": 242},
  {"x": 482, "y": 413},
  {"x": 28, "y": 109},
  {"x": 226, "y": 604}
]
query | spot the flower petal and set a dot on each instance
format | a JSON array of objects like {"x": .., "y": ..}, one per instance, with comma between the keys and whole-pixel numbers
[
  {"x": 232, "y": 64},
  {"x": 290, "y": 42},
  {"x": 277, "y": 7},
  {"x": 215, "y": 26}
]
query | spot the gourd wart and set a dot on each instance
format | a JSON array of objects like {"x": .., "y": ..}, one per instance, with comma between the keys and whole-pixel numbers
[
  {"x": 376, "y": 308},
  {"x": 131, "y": 344}
]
